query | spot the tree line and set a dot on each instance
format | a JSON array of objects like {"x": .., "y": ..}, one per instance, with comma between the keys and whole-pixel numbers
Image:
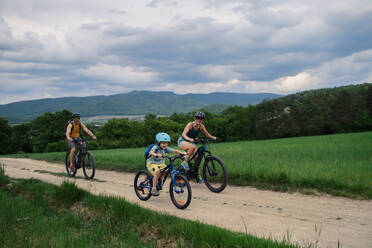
[{"x": 314, "y": 112}]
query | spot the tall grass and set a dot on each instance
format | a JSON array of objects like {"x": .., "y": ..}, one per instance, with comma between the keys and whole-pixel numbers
[
  {"x": 36, "y": 216},
  {"x": 4, "y": 180},
  {"x": 337, "y": 164}
]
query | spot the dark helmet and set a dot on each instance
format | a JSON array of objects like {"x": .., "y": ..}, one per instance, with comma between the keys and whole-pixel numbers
[
  {"x": 74, "y": 115},
  {"x": 199, "y": 115}
]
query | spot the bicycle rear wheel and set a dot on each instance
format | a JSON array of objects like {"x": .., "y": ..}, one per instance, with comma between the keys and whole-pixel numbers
[
  {"x": 143, "y": 185},
  {"x": 89, "y": 165},
  {"x": 214, "y": 174},
  {"x": 180, "y": 192},
  {"x": 70, "y": 172}
]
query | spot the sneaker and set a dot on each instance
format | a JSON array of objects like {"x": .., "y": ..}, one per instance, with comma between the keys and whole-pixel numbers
[
  {"x": 155, "y": 192},
  {"x": 72, "y": 167},
  {"x": 199, "y": 179},
  {"x": 185, "y": 166}
]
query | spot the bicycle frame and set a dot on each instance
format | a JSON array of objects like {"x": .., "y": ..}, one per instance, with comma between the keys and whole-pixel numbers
[
  {"x": 170, "y": 170},
  {"x": 200, "y": 153},
  {"x": 81, "y": 151}
]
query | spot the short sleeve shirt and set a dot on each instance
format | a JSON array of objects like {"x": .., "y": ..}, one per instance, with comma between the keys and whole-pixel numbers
[
  {"x": 157, "y": 149},
  {"x": 75, "y": 133}
]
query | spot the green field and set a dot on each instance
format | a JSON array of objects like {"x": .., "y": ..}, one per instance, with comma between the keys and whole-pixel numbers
[
  {"x": 336, "y": 164},
  {"x": 37, "y": 214}
]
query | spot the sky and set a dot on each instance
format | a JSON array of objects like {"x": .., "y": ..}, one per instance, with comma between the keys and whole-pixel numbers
[{"x": 61, "y": 48}]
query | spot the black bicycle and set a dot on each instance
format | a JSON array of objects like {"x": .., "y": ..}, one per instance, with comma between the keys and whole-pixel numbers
[
  {"x": 213, "y": 171},
  {"x": 82, "y": 158},
  {"x": 179, "y": 187}
]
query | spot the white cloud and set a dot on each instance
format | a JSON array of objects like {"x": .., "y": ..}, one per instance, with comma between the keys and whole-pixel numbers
[
  {"x": 217, "y": 72},
  {"x": 120, "y": 74}
]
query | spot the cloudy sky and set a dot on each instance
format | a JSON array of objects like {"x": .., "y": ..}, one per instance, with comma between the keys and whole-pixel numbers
[{"x": 89, "y": 47}]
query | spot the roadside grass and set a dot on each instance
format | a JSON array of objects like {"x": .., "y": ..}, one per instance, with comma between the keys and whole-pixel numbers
[
  {"x": 45, "y": 215},
  {"x": 339, "y": 164}
]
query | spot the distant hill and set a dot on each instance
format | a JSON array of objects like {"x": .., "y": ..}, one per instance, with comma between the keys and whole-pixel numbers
[
  {"x": 132, "y": 103},
  {"x": 242, "y": 99}
]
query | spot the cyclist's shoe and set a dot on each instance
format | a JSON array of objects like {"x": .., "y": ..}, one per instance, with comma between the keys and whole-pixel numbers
[
  {"x": 155, "y": 192},
  {"x": 185, "y": 166},
  {"x": 199, "y": 179},
  {"x": 72, "y": 169}
]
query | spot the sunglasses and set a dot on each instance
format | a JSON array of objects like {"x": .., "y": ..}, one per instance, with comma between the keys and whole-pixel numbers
[
  {"x": 77, "y": 118},
  {"x": 199, "y": 118}
]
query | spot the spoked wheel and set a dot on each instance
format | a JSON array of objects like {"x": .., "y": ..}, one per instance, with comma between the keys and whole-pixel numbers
[
  {"x": 180, "y": 192},
  {"x": 89, "y": 165},
  {"x": 214, "y": 174},
  {"x": 70, "y": 172},
  {"x": 143, "y": 185}
]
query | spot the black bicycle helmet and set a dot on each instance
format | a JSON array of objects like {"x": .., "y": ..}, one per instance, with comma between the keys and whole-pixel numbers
[
  {"x": 75, "y": 115},
  {"x": 200, "y": 115}
]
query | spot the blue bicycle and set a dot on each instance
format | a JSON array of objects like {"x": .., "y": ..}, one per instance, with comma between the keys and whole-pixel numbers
[{"x": 179, "y": 187}]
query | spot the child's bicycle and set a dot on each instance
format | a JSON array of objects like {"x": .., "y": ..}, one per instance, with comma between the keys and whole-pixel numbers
[
  {"x": 82, "y": 158},
  {"x": 179, "y": 188},
  {"x": 213, "y": 171}
]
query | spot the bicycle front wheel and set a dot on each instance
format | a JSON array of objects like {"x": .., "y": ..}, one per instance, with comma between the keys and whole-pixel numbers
[
  {"x": 214, "y": 174},
  {"x": 89, "y": 165},
  {"x": 180, "y": 192},
  {"x": 143, "y": 185},
  {"x": 70, "y": 171}
]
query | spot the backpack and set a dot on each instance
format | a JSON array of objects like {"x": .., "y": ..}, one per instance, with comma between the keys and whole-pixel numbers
[
  {"x": 147, "y": 152},
  {"x": 72, "y": 123}
]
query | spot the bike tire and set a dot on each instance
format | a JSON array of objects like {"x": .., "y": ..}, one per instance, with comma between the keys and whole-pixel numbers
[
  {"x": 89, "y": 168},
  {"x": 142, "y": 179},
  {"x": 214, "y": 174},
  {"x": 179, "y": 199},
  {"x": 70, "y": 173}
]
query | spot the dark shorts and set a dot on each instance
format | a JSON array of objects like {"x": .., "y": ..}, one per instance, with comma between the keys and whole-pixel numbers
[{"x": 70, "y": 144}]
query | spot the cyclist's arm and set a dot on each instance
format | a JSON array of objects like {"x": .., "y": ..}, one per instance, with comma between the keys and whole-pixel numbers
[
  {"x": 179, "y": 152},
  {"x": 68, "y": 131},
  {"x": 186, "y": 130},
  {"x": 202, "y": 127},
  {"x": 152, "y": 153},
  {"x": 89, "y": 132}
]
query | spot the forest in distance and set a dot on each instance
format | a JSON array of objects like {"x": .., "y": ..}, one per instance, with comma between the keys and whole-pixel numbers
[{"x": 315, "y": 112}]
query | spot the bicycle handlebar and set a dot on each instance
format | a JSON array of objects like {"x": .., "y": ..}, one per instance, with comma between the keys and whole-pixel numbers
[
  {"x": 202, "y": 141},
  {"x": 179, "y": 156},
  {"x": 81, "y": 139}
]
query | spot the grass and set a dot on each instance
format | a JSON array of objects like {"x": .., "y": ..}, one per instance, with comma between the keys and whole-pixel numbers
[
  {"x": 44, "y": 215},
  {"x": 338, "y": 164}
]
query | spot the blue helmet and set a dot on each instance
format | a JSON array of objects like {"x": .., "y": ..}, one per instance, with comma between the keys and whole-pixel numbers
[{"x": 162, "y": 137}]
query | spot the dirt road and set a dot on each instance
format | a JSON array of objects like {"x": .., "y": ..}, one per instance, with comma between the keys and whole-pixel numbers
[{"x": 323, "y": 221}]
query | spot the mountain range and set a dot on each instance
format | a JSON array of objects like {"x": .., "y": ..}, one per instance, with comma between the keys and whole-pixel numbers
[{"x": 132, "y": 103}]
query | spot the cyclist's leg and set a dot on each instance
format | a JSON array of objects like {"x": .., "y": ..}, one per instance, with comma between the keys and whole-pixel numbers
[
  {"x": 71, "y": 146},
  {"x": 154, "y": 169},
  {"x": 158, "y": 173},
  {"x": 189, "y": 148}
]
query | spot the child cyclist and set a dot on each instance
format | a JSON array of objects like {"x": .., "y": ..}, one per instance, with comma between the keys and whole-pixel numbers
[
  {"x": 156, "y": 162},
  {"x": 185, "y": 141}
]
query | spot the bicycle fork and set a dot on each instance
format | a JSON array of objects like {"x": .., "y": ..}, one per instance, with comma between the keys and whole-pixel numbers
[{"x": 180, "y": 182}]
